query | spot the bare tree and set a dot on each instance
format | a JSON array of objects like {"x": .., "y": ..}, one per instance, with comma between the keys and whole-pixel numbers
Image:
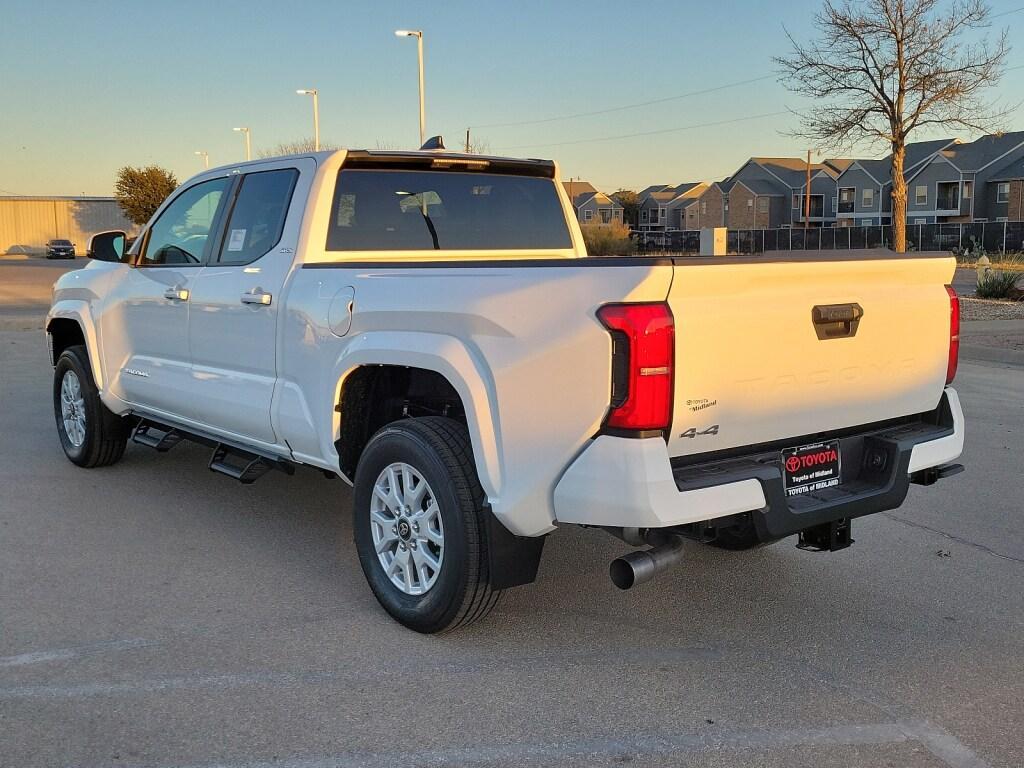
[
  {"x": 882, "y": 69},
  {"x": 479, "y": 147},
  {"x": 300, "y": 147}
]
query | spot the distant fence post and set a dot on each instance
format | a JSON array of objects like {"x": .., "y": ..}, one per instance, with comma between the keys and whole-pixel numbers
[{"x": 1004, "y": 236}]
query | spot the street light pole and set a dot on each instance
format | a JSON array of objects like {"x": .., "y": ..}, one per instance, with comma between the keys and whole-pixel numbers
[
  {"x": 248, "y": 143},
  {"x": 205, "y": 156},
  {"x": 316, "y": 114},
  {"x": 418, "y": 34}
]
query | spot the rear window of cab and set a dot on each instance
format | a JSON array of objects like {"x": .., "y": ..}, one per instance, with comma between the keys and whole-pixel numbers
[{"x": 411, "y": 210}]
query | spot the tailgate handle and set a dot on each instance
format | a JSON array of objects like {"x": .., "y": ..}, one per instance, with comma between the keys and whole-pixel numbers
[{"x": 836, "y": 321}]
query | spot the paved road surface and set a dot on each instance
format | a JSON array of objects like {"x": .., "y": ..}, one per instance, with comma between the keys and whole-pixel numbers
[{"x": 155, "y": 614}]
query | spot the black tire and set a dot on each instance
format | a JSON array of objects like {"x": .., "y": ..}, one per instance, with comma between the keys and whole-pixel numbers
[
  {"x": 439, "y": 449},
  {"x": 105, "y": 433}
]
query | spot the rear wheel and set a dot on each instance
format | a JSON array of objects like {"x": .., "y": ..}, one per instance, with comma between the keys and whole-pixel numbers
[
  {"x": 90, "y": 435},
  {"x": 418, "y": 525}
]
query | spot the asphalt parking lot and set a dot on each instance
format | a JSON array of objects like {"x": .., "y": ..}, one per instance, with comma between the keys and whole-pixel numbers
[{"x": 156, "y": 614}]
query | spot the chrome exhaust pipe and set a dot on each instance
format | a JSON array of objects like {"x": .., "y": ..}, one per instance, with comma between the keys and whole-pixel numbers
[{"x": 637, "y": 567}]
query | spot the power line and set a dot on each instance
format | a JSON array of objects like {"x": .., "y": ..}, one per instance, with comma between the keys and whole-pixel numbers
[
  {"x": 650, "y": 133},
  {"x": 628, "y": 106},
  {"x": 1006, "y": 13}
]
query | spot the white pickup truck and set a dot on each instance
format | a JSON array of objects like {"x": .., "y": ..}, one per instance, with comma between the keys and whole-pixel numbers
[{"x": 428, "y": 326}]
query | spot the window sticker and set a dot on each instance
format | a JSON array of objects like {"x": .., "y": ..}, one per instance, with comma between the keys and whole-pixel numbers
[{"x": 237, "y": 240}]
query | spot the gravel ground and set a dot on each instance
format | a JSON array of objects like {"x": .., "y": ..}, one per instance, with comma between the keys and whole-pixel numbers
[{"x": 990, "y": 309}]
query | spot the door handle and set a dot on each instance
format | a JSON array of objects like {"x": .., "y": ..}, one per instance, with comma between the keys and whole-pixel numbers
[
  {"x": 176, "y": 294},
  {"x": 836, "y": 321},
  {"x": 257, "y": 296}
]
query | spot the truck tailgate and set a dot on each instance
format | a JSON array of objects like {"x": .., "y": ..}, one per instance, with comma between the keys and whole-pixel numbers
[{"x": 756, "y": 362}]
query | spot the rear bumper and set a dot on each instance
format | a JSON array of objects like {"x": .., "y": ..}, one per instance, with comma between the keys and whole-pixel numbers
[{"x": 632, "y": 483}]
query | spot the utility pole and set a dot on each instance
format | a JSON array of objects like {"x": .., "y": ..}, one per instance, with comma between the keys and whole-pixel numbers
[
  {"x": 467, "y": 141},
  {"x": 807, "y": 201}
]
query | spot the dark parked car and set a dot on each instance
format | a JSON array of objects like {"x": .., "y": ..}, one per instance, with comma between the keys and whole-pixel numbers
[{"x": 60, "y": 249}]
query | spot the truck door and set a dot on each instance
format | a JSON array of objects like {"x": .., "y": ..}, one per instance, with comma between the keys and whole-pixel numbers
[
  {"x": 237, "y": 299},
  {"x": 144, "y": 325}
]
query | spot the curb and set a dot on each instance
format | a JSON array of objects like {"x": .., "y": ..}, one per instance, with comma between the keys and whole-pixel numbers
[{"x": 976, "y": 354}]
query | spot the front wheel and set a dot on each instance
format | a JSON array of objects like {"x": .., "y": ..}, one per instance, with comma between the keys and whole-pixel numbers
[
  {"x": 90, "y": 435},
  {"x": 418, "y": 525}
]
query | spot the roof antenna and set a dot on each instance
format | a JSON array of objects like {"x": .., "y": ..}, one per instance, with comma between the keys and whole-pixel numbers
[{"x": 434, "y": 143}]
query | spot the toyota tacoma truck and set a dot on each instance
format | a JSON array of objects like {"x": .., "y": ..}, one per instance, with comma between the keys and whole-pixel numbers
[{"x": 429, "y": 327}]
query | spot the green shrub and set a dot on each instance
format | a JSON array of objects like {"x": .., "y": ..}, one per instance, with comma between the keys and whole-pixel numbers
[
  {"x": 608, "y": 239},
  {"x": 997, "y": 284}
]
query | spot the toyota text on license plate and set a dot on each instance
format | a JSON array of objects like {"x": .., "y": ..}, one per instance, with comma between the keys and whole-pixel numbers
[{"x": 810, "y": 467}]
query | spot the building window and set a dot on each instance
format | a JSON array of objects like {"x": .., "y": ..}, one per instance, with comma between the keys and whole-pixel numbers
[
  {"x": 762, "y": 204},
  {"x": 868, "y": 198},
  {"x": 1002, "y": 218},
  {"x": 750, "y": 202},
  {"x": 920, "y": 196},
  {"x": 920, "y": 221},
  {"x": 725, "y": 202},
  {"x": 968, "y": 190},
  {"x": 703, "y": 206},
  {"x": 588, "y": 215},
  {"x": 797, "y": 197},
  {"x": 847, "y": 199},
  {"x": 1003, "y": 192}
]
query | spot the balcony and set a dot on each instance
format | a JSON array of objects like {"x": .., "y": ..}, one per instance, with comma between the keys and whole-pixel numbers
[
  {"x": 817, "y": 207},
  {"x": 847, "y": 206},
  {"x": 948, "y": 198}
]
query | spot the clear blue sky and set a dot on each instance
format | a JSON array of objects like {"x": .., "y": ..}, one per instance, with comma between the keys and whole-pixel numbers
[{"x": 86, "y": 87}]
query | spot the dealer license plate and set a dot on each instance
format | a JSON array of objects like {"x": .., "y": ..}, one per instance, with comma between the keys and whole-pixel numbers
[{"x": 811, "y": 467}]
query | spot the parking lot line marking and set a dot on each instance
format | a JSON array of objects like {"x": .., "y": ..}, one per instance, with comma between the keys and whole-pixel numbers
[
  {"x": 63, "y": 654},
  {"x": 471, "y": 666},
  {"x": 936, "y": 741}
]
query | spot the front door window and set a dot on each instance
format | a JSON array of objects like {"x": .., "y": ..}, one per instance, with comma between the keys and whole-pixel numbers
[{"x": 181, "y": 235}]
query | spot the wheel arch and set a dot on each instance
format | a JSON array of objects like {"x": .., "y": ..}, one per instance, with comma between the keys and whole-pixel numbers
[
  {"x": 436, "y": 364},
  {"x": 70, "y": 323}
]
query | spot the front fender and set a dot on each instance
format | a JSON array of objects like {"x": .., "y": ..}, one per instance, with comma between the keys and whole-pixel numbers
[
  {"x": 452, "y": 359},
  {"x": 79, "y": 311}
]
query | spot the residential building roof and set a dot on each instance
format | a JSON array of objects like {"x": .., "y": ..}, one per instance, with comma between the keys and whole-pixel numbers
[
  {"x": 600, "y": 198},
  {"x": 762, "y": 187},
  {"x": 690, "y": 191},
  {"x": 791, "y": 171},
  {"x": 1011, "y": 171},
  {"x": 577, "y": 188},
  {"x": 982, "y": 152},
  {"x": 653, "y": 188},
  {"x": 917, "y": 153}
]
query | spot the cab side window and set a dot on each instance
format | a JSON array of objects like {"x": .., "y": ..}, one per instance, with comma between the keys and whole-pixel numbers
[
  {"x": 257, "y": 217},
  {"x": 181, "y": 235}
]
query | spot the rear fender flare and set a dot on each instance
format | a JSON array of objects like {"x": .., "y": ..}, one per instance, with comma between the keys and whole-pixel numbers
[{"x": 449, "y": 357}]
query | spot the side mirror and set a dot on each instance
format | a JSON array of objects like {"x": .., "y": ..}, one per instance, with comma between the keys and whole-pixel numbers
[{"x": 107, "y": 246}]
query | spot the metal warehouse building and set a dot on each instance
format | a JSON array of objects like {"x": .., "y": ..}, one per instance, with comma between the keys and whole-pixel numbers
[{"x": 26, "y": 223}]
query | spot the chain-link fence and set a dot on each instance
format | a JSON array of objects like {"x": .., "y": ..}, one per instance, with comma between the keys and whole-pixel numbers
[{"x": 991, "y": 236}]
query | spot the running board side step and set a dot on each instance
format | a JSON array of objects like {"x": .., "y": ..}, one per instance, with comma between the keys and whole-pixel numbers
[
  {"x": 236, "y": 461},
  {"x": 245, "y": 467},
  {"x": 155, "y": 436}
]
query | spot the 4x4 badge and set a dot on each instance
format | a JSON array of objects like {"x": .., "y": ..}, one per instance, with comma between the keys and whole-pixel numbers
[{"x": 693, "y": 432}]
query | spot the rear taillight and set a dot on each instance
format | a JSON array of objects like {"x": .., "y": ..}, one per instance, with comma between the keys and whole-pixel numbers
[
  {"x": 954, "y": 334},
  {"x": 643, "y": 355}
]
